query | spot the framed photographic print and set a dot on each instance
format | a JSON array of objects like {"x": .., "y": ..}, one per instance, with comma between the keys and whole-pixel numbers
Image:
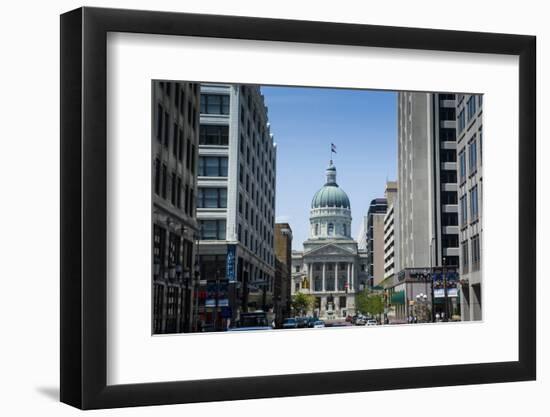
[{"x": 258, "y": 208}]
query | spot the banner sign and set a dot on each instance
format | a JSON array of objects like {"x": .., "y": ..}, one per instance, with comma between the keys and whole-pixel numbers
[{"x": 230, "y": 265}]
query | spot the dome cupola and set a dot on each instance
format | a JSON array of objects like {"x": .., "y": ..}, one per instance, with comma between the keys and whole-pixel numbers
[{"x": 331, "y": 195}]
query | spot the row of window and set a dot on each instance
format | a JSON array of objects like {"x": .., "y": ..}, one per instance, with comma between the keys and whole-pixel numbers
[
  {"x": 474, "y": 206},
  {"x": 163, "y": 136},
  {"x": 473, "y": 246},
  {"x": 329, "y": 284},
  {"x": 255, "y": 245},
  {"x": 469, "y": 151},
  {"x": 471, "y": 108},
  {"x": 214, "y": 104},
  {"x": 179, "y": 100},
  {"x": 177, "y": 251},
  {"x": 178, "y": 191}
]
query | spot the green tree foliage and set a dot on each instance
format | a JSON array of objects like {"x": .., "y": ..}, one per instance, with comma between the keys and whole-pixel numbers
[
  {"x": 301, "y": 303},
  {"x": 369, "y": 303}
]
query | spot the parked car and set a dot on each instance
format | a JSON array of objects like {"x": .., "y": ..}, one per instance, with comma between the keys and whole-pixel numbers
[
  {"x": 301, "y": 322},
  {"x": 311, "y": 321},
  {"x": 372, "y": 322},
  {"x": 290, "y": 323},
  {"x": 318, "y": 324},
  {"x": 251, "y": 321},
  {"x": 360, "y": 321}
]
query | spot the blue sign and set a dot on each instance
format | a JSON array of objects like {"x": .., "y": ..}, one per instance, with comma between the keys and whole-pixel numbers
[{"x": 230, "y": 265}]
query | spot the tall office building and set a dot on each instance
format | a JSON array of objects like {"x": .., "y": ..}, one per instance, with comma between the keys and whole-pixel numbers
[
  {"x": 426, "y": 230},
  {"x": 283, "y": 265},
  {"x": 175, "y": 230},
  {"x": 427, "y": 178},
  {"x": 470, "y": 184},
  {"x": 236, "y": 203},
  {"x": 390, "y": 222},
  {"x": 375, "y": 240}
]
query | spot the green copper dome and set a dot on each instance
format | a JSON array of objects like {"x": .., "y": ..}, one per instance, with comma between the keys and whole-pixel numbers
[{"x": 330, "y": 195}]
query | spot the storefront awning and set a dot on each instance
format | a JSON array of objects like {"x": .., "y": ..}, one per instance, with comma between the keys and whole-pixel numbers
[{"x": 398, "y": 297}]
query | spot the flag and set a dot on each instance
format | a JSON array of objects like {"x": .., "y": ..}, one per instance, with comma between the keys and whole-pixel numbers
[{"x": 333, "y": 147}]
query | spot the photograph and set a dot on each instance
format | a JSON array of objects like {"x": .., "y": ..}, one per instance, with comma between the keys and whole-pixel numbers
[{"x": 289, "y": 207}]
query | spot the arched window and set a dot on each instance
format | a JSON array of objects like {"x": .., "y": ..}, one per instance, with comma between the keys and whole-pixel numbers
[
  {"x": 330, "y": 229},
  {"x": 345, "y": 229},
  {"x": 316, "y": 229}
]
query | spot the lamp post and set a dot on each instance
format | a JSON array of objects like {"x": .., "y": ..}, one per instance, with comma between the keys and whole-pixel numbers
[{"x": 421, "y": 300}]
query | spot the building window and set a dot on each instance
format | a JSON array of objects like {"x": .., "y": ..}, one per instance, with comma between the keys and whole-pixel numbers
[
  {"x": 344, "y": 230},
  {"x": 472, "y": 153},
  {"x": 316, "y": 229},
  {"x": 450, "y": 241},
  {"x": 448, "y": 197},
  {"x": 240, "y": 203},
  {"x": 461, "y": 121},
  {"x": 213, "y": 166},
  {"x": 447, "y": 155},
  {"x": 178, "y": 193},
  {"x": 297, "y": 268},
  {"x": 214, "y": 135},
  {"x": 173, "y": 193},
  {"x": 447, "y": 134},
  {"x": 159, "y": 122},
  {"x": 330, "y": 229},
  {"x": 342, "y": 302},
  {"x": 449, "y": 219},
  {"x": 157, "y": 176},
  {"x": 174, "y": 242},
  {"x": 212, "y": 198},
  {"x": 180, "y": 146},
  {"x": 164, "y": 181},
  {"x": 471, "y": 103},
  {"x": 166, "y": 128},
  {"x": 318, "y": 284},
  {"x": 159, "y": 235},
  {"x": 212, "y": 229},
  {"x": 464, "y": 210},
  {"x": 175, "y": 132},
  {"x": 474, "y": 209},
  {"x": 476, "y": 253},
  {"x": 465, "y": 257},
  {"x": 448, "y": 176},
  {"x": 214, "y": 104},
  {"x": 341, "y": 283},
  {"x": 462, "y": 165}
]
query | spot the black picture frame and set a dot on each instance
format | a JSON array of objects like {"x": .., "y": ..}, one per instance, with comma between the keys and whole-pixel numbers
[{"x": 84, "y": 207}]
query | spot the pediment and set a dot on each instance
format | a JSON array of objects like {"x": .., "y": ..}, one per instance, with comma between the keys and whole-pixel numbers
[{"x": 330, "y": 249}]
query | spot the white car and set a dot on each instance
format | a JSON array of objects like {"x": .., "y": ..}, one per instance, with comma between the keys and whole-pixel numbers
[
  {"x": 372, "y": 322},
  {"x": 318, "y": 324}
]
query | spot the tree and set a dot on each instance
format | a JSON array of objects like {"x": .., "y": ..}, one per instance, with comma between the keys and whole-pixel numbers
[
  {"x": 369, "y": 303},
  {"x": 301, "y": 302}
]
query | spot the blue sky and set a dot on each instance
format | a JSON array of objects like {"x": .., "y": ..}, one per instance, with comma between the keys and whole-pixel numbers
[{"x": 304, "y": 121}]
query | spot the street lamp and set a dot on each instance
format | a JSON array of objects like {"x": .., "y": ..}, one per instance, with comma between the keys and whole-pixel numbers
[{"x": 421, "y": 300}]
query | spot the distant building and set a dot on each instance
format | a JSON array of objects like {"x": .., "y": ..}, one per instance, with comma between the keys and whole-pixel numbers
[
  {"x": 470, "y": 185},
  {"x": 235, "y": 203},
  {"x": 327, "y": 268},
  {"x": 283, "y": 265},
  {"x": 175, "y": 229},
  {"x": 390, "y": 222},
  {"x": 375, "y": 240}
]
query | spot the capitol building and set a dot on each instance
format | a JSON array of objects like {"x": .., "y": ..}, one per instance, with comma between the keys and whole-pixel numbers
[{"x": 329, "y": 266}]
